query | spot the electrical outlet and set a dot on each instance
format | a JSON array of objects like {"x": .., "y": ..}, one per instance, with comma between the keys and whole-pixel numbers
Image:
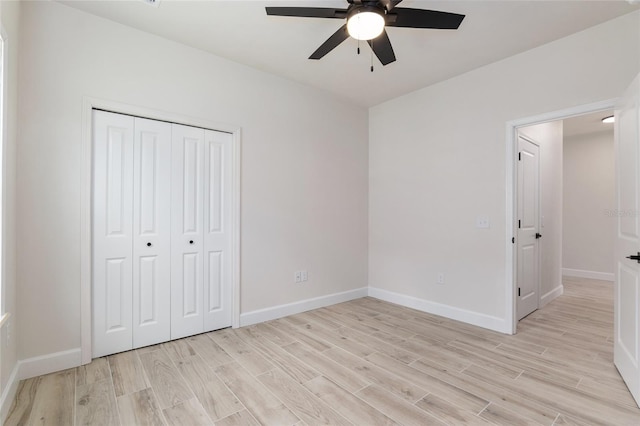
[
  {"x": 482, "y": 222},
  {"x": 298, "y": 276},
  {"x": 305, "y": 276},
  {"x": 440, "y": 278}
]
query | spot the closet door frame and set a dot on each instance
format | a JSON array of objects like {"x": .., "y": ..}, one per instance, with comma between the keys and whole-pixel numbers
[{"x": 86, "y": 243}]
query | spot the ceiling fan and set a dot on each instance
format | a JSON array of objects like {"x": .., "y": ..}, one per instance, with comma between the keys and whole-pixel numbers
[{"x": 367, "y": 19}]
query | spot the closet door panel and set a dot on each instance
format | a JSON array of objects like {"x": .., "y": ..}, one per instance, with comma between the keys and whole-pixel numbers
[
  {"x": 217, "y": 236},
  {"x": 152, "y": 232},
  {"x": 115, "y": 295},
  {"x": 112, "y": 232},
  {"x": 191, "y": 185},
  {"x": 215, "y": 280},
  {"x": 191, "y": 265},
  {"x": 187, "y": 229}
]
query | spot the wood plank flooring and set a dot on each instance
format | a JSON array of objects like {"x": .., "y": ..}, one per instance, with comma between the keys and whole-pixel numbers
[{"x": 364, "y": 362}]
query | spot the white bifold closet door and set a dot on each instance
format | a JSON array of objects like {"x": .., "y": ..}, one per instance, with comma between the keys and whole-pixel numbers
[
  {"x": 162, "y": 224},
  {"x": 201, "y": 231},
  {"x": 131, "y": 232}
]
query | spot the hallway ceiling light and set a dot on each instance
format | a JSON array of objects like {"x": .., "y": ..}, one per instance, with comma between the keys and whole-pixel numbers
[{"x": 609, "y": 119}]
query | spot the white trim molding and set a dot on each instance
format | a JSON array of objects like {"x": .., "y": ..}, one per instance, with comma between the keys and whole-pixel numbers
[
  {"x": 4, "y": 138},
  {"x": 9, "y": 394},
  {"x": 275, "y": 312},
  {"x": 50, "y": 363},
  {"x": 88, "y": 104},
  {"x": 548, "y": 297},
  {"x": 469, "y": 317},
  {"x": 594, "y": 275}
]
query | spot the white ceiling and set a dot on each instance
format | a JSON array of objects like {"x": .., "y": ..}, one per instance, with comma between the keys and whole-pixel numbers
[
  {"x": 586, "y": 124},
  {"x": 240, "y": 31}
]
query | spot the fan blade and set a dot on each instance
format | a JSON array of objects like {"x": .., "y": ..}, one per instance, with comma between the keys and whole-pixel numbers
[
  {"x": 389, "y": 4},
  {"x": 307, "y": 12},
  {"x": 419, "y": 18},
  {"x": 331, "y": 43},
  {"x": 381, "y": 46}
]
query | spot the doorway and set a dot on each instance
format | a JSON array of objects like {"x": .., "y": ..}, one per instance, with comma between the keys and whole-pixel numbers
[
  {"x": 565, "y": 197},
  {"x": 513, "y": 129}
]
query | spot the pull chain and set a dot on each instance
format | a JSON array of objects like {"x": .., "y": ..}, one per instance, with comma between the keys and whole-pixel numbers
[
  {"x": 358, "y": 47},
  {"x": 371, "y": 55}
]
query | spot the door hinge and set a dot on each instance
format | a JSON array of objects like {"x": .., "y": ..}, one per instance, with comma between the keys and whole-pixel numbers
[
  {"x": 513, "y": 240},
  {"x": 518, "y": 291},
  {"x": 519, "y": 224},
  {"x": 519, "y": 156}
]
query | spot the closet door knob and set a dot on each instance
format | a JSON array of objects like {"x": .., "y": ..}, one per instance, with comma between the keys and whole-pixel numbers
[
  {"x": 190, "y": 241},
  {"x": 148, "y": 244}
]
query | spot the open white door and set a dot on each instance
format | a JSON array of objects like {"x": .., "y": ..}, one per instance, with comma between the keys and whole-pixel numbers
[
  {"x": 528, "y": 275},
  {"x": 627, "y": 249}
]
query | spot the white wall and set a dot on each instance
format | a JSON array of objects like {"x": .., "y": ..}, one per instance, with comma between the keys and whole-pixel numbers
[
  {"x": 549, "y": 138},
  {"x": 304, "y": 164},
  {"x": 9, "y": 17},
  {"x": 437, "y": 160},
  {"x": 589, "y": 202}
]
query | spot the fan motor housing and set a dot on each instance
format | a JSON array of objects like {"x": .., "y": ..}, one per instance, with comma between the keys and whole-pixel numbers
[{"x": 375, "y": 8}]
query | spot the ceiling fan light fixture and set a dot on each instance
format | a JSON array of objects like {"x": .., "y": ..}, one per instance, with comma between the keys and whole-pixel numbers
[{"x": 365, "y": 25}]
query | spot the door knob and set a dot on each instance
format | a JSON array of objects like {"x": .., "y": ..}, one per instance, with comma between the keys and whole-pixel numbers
[
  {"x": 148, "y": 244},
  {"x": 634, "y": 257},
  {"x": 538, "y": 235}
]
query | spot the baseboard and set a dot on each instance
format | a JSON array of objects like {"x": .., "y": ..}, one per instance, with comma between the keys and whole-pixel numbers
[
  {"x": 280, "y": 311},
  {"x": 469, "y": 317},
  {"x": 548, "y": 297},
  {"x": 9, "y": 394},
  {"x": 579, "y": 273},
  {"x": 45, "y": 364}
]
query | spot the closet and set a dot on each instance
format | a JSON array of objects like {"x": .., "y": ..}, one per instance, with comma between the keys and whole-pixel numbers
[{"x": 161, "y": 215}]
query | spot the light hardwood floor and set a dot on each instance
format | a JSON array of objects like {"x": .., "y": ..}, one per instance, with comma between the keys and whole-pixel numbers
[{"x": 363, "y": 362}]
